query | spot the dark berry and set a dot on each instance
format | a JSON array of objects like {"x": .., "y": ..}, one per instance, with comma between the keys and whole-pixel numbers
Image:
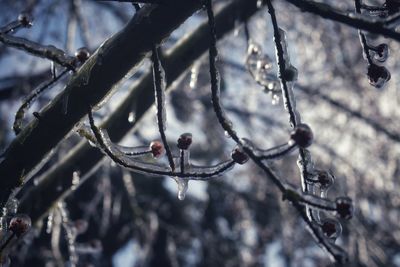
[
  {"x": 82, "y": 54},
  {"x": 184, "y": 141},
  {"x": 377, "y": 75},
  {"x": 302, "y": 135},
  {"x": 25, "y": 19},
  {"x": 239, "y": 156},
  {"x": 331, "y": 228},
  {"x": 382, "y": 49},
  {"x": 290, "y": 74},
  {"x": 20, "y": 224},
  {"x": 344, "y": 207},
  {"x": 157, "y": 149},
  {"x": 325, "y": 178}
]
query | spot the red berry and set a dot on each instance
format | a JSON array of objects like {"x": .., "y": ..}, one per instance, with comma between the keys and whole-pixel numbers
[
  {"x": 302, "y": 135},
  {"x": 20, "y": 224},
  {"x": 344, "y": 207},
  {"x": 184, "y": 141},
  {"x": 239, "y": 156},
  {"x": 157, "y": 149},
  {"x": 25, "y": 19},
  {"x": 82, "y": 54}
]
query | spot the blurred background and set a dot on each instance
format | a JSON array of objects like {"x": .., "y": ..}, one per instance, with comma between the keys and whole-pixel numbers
[{"x": 113, "y": 217}]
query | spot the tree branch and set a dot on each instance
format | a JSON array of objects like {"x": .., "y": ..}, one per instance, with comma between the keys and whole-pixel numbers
[
  {"x": 95, "y": 79},
  {"x": 331, "y": 13},
  {"x": 84, "y": 157}
]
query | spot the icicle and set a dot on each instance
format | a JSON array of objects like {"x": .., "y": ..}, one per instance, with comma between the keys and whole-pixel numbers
[
  {"x": 50, "y": 220},
  {"x": 11, "y": 207},
  {"x": 65, "y": 101},
  {"x": 131, "y": 117},
  {"x": 183, "y": 186},
  {"x": 75, "y": 180},
  {"x": 275, "y": 98},
  {"x": 160, "y": 95},
  {"x": 259, "y": 3},
  {"x": 70, "y": 234},
  {"x": 253, "y": 54},
  {"x": 194, "y": 75}
]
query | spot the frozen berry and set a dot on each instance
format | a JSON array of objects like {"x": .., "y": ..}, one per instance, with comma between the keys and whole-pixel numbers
[
  {"x": 82, "y": 54},
  {"x": 184, "y": 141},
  {"x": 25, "y": 19},
  {"x": 377, "y": 75},
  {"x": 290, "y": 74},
  {"x": 331, "y": 228},
  {"x": 239, "y": 156},
  {"x": 157, "y": 149},
  {"x": 20, "y": 224},
  {"x": 302, "y": 135},
  {"x": 325, "y": 178},
  {"x": 344, "y": 207}
]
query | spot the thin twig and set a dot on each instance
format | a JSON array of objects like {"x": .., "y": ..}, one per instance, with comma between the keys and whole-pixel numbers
[
  {"x": 187, "y": 176},
  {"x": 363, "y": 39},
  {"x": 159, "y": 88},
  {"x": 45, "y": 51},
  {"x": 19, "y": 116},
  {"x": 328, "y": 12}
]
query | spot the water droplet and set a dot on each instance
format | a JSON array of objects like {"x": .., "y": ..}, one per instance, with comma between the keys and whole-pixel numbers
[
  {"x": 131, "y": 117},
  {"x": 378, "y": 75},
  {"x": 381, "y": 52},
  {"x": 194, "y": 74},
  {"x": 11, "y": 207},
  {"x": 49, "y": 225},
  {"x": 259, "y": 3},
  {"x": 75, "y": 179},
  {"x": 275, "y": 98},
  {"x": 182, "y": 188}
]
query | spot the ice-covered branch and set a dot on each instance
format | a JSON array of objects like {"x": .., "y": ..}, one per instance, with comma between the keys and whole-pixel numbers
[
  {"x": 328, "y": 12},
  {"x": 377, "y": 75},
  {"x": 302, "y": 134},
  {"x": 84, "y": 157},
  {"x": 24, "y": 20},
  {"x": 109, "y": 64},
  {"x": 195, "y": 173},
  {"x": 19, "y": 116},
  {"x": 45, "y": 51},
  {"x": 159, "y": 89}
]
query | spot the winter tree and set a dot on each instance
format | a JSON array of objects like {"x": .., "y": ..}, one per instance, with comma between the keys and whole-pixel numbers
[{"x": 199, "y": 133}]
